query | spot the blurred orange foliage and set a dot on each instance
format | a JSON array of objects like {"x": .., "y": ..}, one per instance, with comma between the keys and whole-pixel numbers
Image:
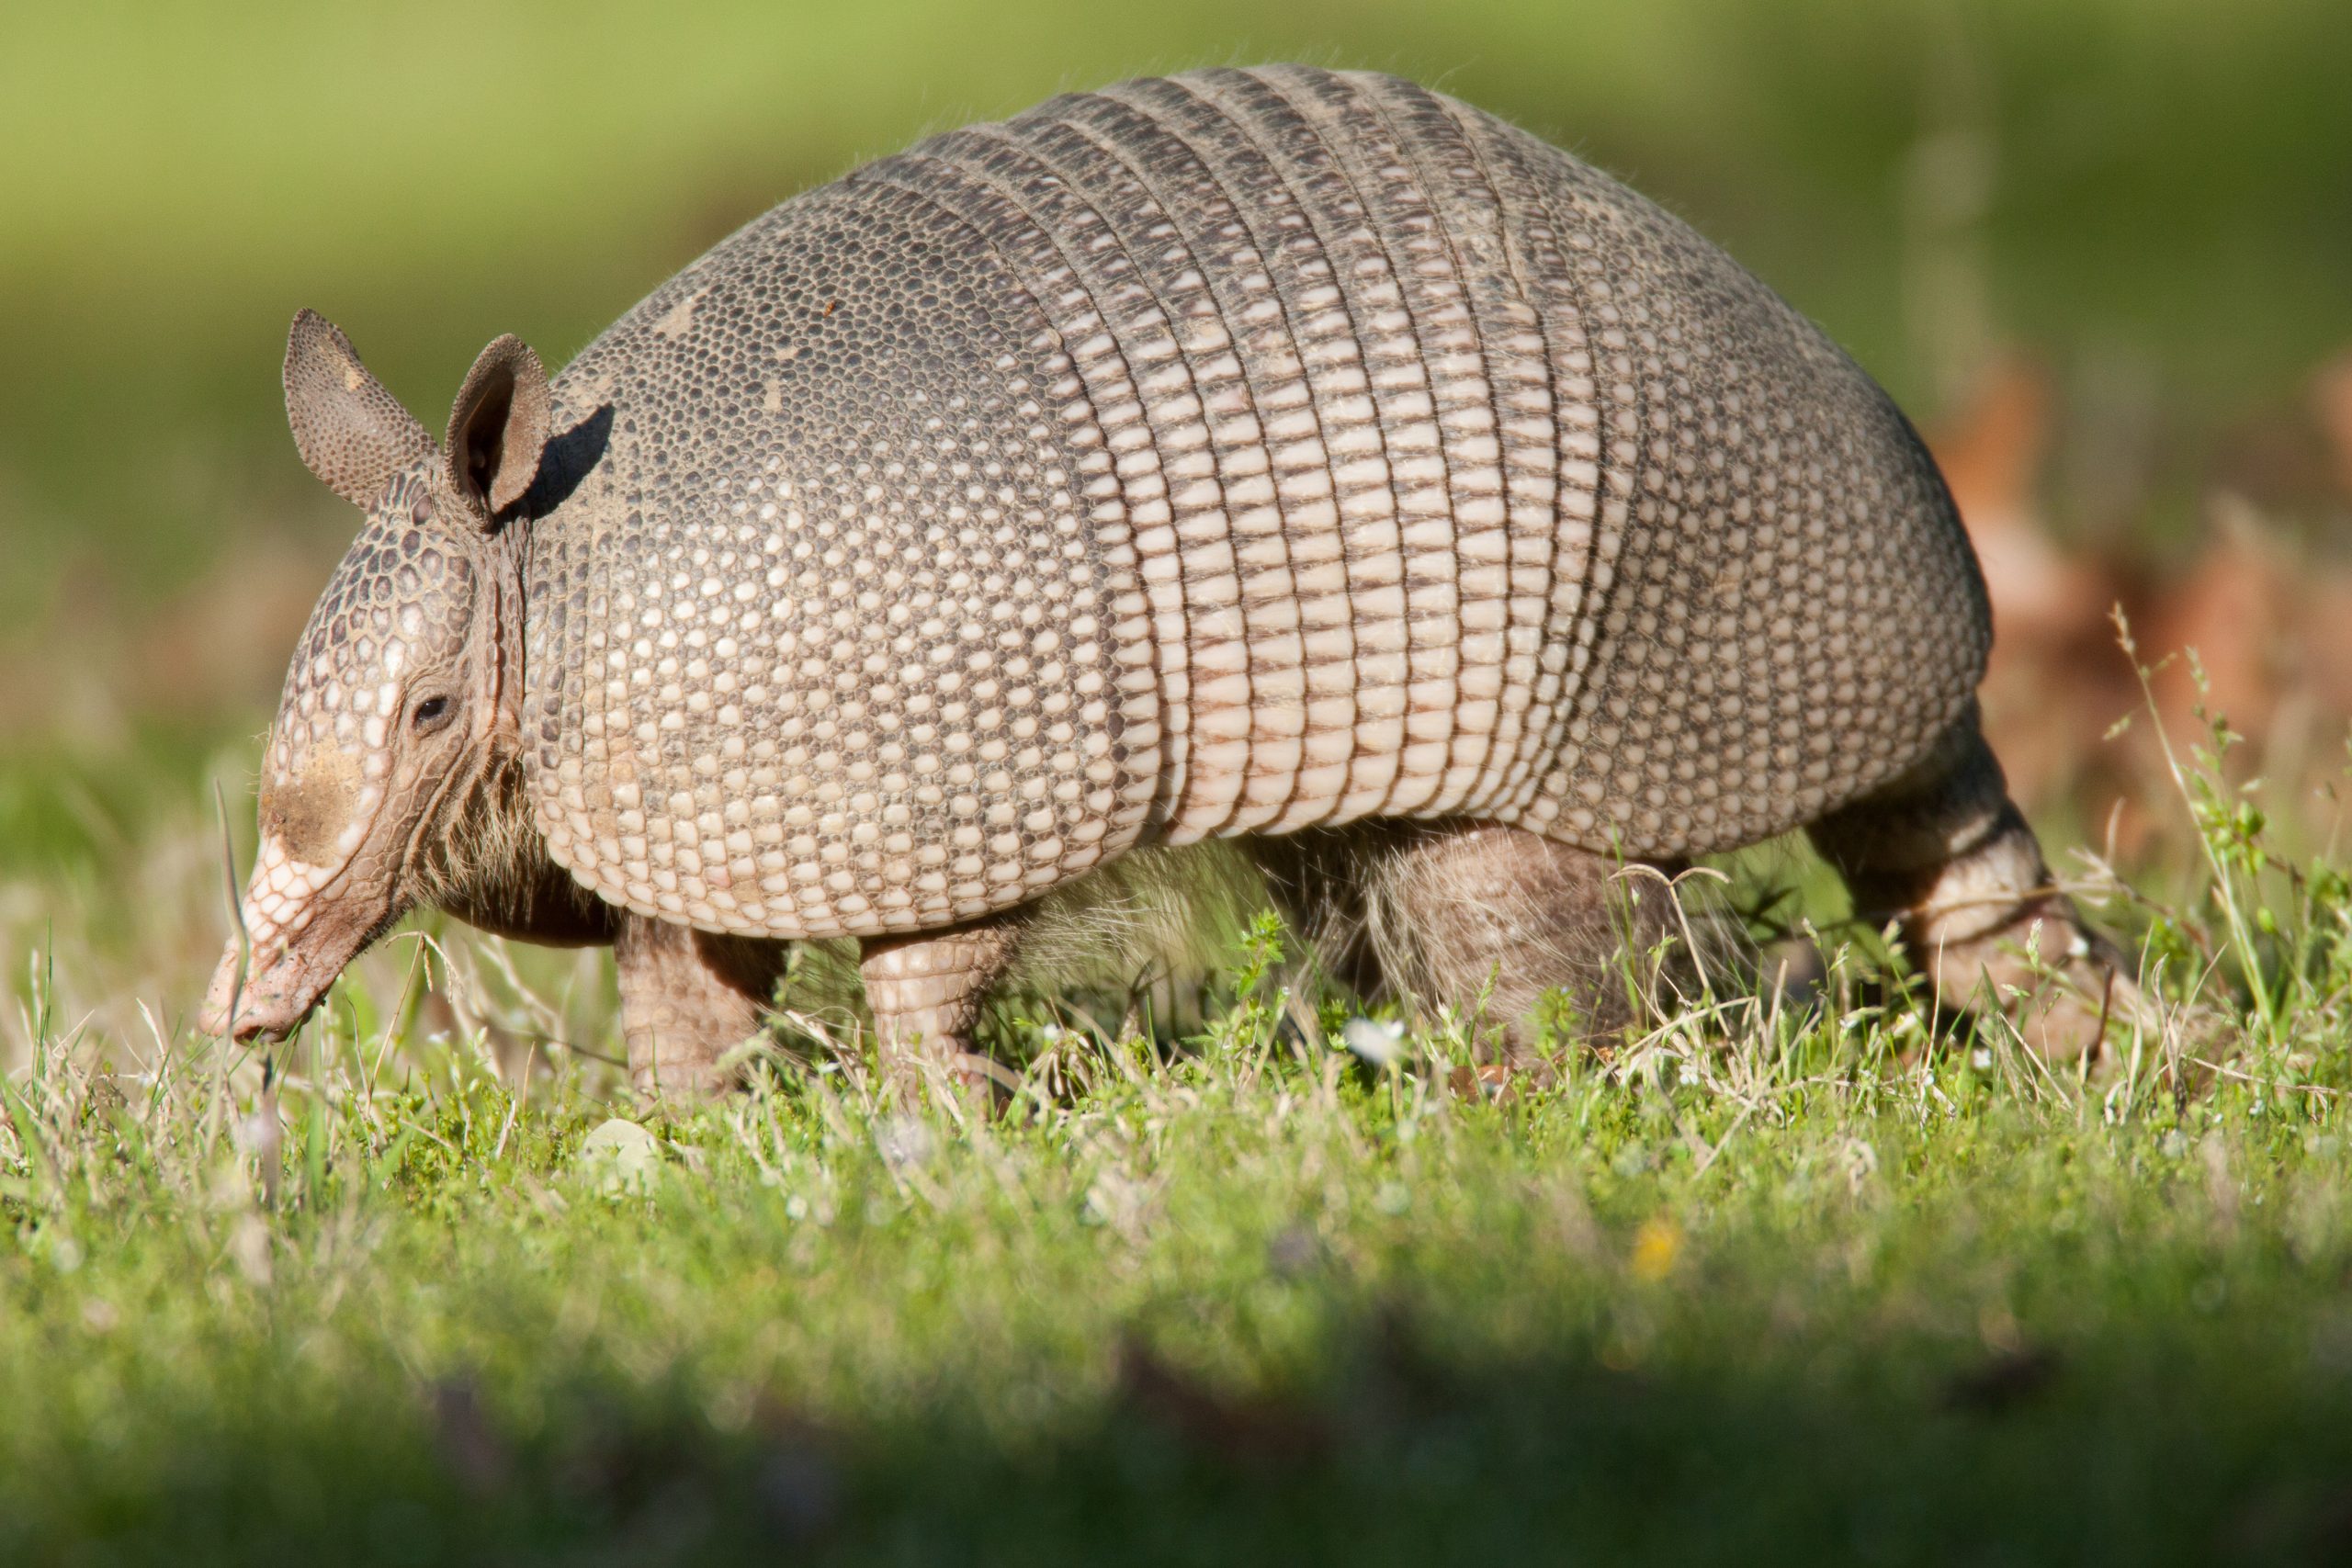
[{"x": 2268, "y": 618}]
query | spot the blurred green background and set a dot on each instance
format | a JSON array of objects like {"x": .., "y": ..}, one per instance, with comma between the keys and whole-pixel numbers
[{"x": 2152, "y": 196}]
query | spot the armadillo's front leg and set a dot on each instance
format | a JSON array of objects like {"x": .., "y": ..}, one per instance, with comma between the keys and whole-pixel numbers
[
  {"x": 925, "y": 991},
  {"x": 688, "y": 998},
  {"x": 1943, "y": 850}
]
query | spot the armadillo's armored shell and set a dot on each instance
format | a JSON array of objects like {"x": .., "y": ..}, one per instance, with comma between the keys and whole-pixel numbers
[{"x": 1222, "y": 454}]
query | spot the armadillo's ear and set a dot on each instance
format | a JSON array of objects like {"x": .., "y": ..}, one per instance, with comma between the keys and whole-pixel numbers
[
  {"x": 351, "y": 431},
  {"x": 500, "y": 427}
]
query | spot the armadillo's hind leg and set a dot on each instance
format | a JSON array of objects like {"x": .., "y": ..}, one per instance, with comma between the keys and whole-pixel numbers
[
  {"x": 1943, "y": 852},
  {"x": 1454, "y": 911},
  {"x": 1318, "y": 880},
  {"x": 688, "y": 998},
  {"x": 925, "y": 988}
]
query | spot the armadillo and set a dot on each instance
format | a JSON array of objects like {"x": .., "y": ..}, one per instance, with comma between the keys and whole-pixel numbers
[{"x": 1281, "y": 456}]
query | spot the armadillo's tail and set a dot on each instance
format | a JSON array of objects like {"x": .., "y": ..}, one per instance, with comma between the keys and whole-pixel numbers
[{"x": 1943, "y": 852}]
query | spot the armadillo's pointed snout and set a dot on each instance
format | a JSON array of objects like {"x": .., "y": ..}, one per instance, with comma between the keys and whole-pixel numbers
[
  {"x": 246, "y": 1004},
  {"x": 301, "y": 926}
]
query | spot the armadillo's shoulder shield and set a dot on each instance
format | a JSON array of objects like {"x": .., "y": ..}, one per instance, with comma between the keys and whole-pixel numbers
[{"x": 840, "y": 632}]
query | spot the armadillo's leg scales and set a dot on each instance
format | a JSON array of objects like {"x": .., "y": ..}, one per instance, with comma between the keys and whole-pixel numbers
[
  {"x": 1450, "y": 911},
  {"x": 688, "y": 998},
  {"x": 925, "y": 990},
  {"x": 1944, "y": 852}
]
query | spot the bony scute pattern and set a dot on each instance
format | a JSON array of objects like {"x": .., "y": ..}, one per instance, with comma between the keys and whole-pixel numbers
[
  {"x": 839, "y": 657},
  {"x": 1235, "y": 452},
  {"x": 400, "y": 601}
]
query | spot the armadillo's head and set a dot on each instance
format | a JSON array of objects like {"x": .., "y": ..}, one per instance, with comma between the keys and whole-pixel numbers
[{"x": 399, "y": 713}]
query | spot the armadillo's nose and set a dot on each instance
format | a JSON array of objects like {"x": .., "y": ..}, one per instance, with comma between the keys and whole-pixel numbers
[
  {"x": 270, "y": 1005},
  {"x": 302, "y": 923}
]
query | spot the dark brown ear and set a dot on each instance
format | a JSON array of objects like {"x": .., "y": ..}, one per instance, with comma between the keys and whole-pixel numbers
[
  {"x": 499, "y": 427},
  {"x": 351, "y": 431}
]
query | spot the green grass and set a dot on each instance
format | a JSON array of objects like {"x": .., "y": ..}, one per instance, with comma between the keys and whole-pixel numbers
[{"x": 1768, "y": 1284}]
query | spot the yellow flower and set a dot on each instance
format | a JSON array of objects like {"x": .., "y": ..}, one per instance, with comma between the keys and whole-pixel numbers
[{"x": 1655, "y": 1247}]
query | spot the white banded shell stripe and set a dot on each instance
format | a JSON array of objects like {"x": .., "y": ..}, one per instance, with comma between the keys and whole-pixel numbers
[
  {"x": 1504, "y": 558},
  {"x": 1384, "y": 492},
  {"x": 1208, "y": 415},
  {"x": 1351, "y": 552},
  {"x": 1212, "y": 432},
  {"x": 1302, "y": 742},
  {"x": 1192, "y": 557},
  {"x": 1246, "y": 652},
  {"x": 1339, "y": 288},
  {"x": 1542, "y": 255},
  {"x": 1437, "y": 478},
  {"x": 1365, "y": 541}
]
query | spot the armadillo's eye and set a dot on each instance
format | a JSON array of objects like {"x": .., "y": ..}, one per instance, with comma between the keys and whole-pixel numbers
[{"x": 429, "y": 714}]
